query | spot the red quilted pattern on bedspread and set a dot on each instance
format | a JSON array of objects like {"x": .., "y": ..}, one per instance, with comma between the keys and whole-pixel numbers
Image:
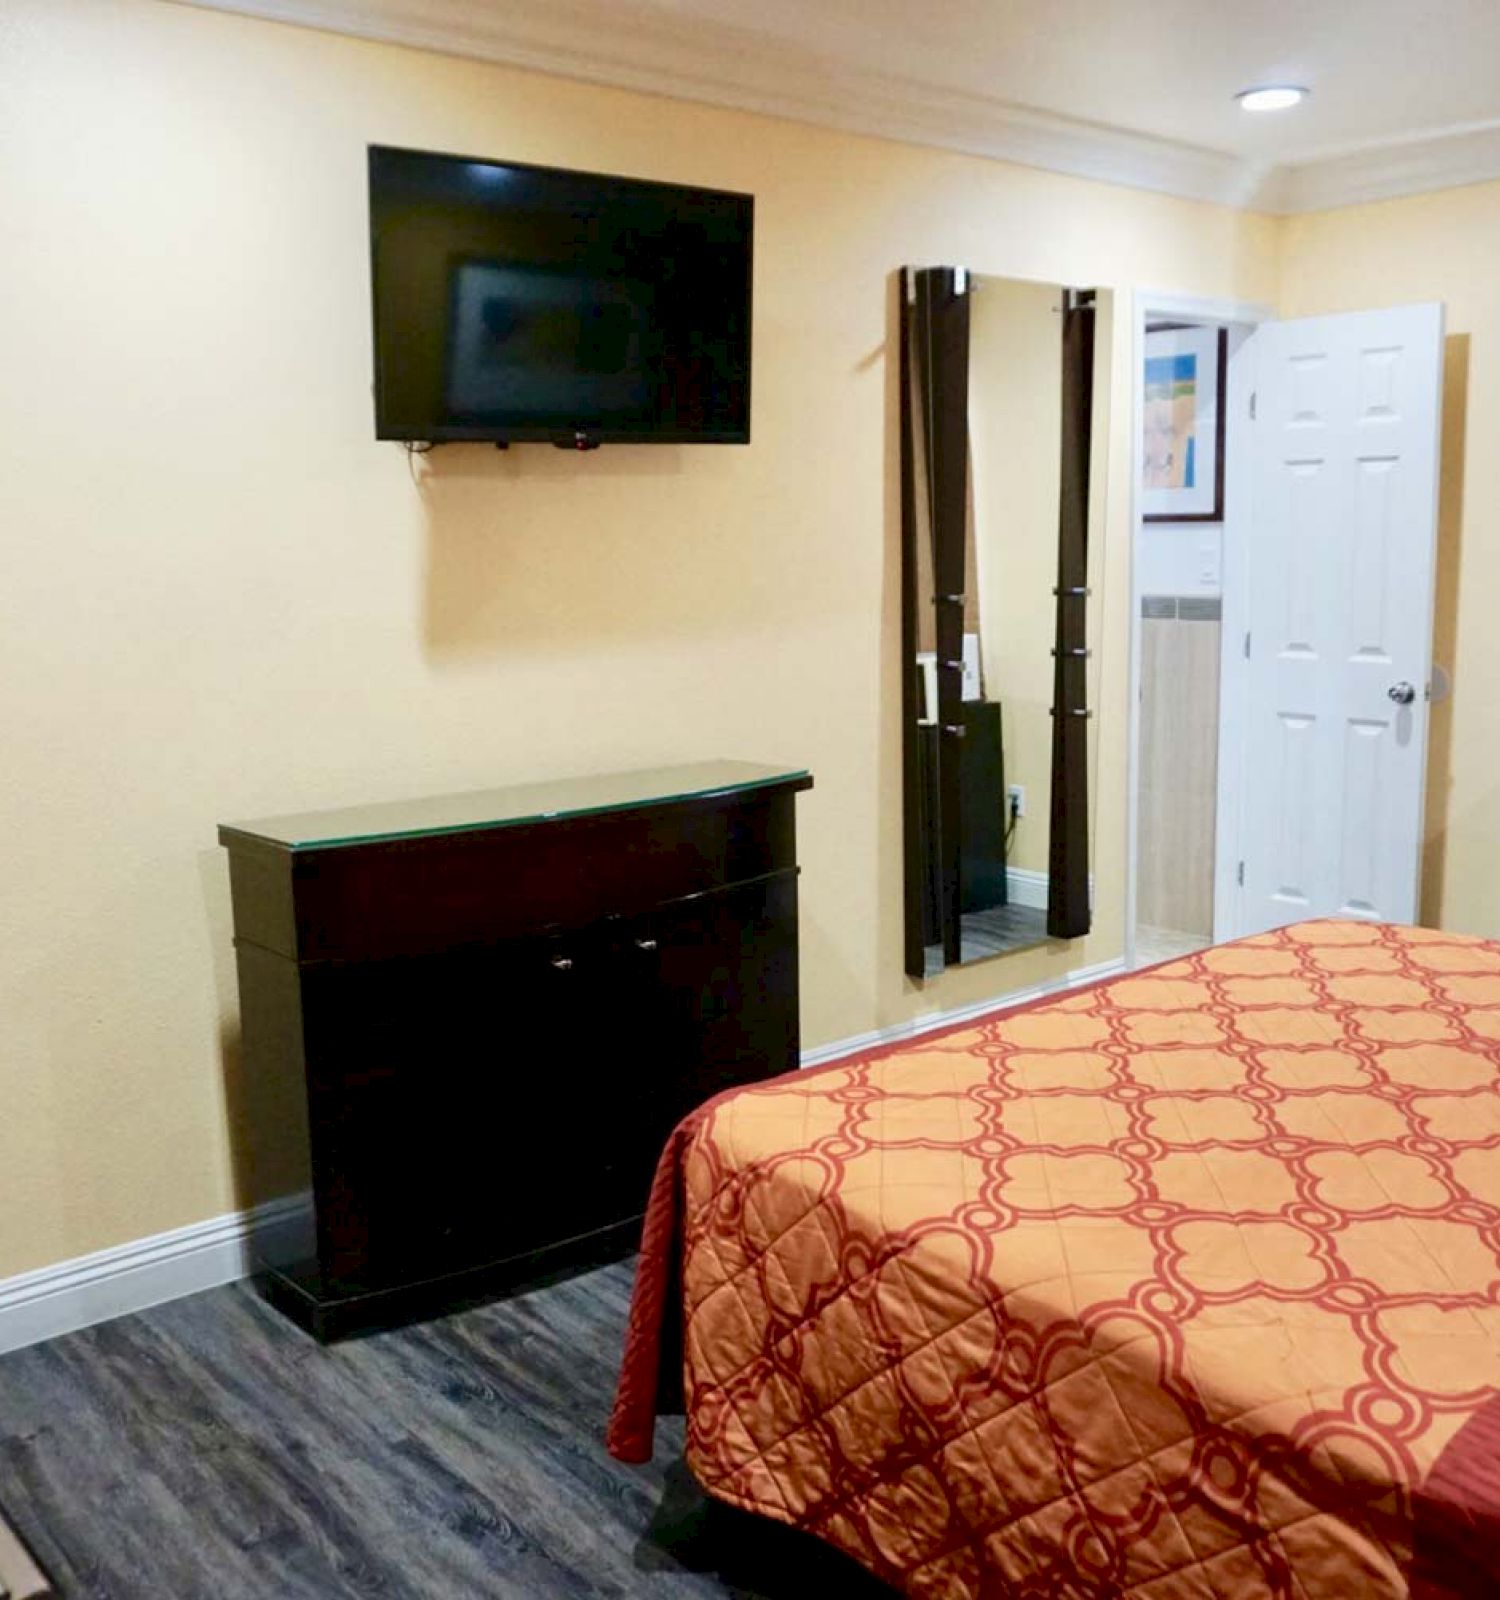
[{"x": 1184, "y": 1285}]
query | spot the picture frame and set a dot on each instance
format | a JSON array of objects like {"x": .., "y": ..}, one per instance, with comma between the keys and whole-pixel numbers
[{"x": 1182, "y": 443}]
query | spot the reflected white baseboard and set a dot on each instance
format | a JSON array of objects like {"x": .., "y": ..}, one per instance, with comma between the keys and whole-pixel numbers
[
  {"x": 1026, "y": 888},
  {"x": 1029, "y": 888}
]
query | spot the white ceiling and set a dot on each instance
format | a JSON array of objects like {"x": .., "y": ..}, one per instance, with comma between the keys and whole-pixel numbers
[{"x": 1405, "y": 93}]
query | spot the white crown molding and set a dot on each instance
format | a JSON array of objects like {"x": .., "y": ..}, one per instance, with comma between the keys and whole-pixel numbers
[
  {"x": 1448, "y": 159},
  {"x": 720, "y": 65}
]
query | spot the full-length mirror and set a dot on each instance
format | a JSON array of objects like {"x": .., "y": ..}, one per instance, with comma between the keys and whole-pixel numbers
[{"x": 1003, "y": 436}]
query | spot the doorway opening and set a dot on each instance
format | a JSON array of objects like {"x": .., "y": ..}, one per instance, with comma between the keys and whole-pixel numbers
[
  {"x": 1185, "y": 449},
  {"x": 1284, "y": 537}
]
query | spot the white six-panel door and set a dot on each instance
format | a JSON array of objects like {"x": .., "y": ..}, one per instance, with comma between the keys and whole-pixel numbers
[{"x": 1339, "y": 552}]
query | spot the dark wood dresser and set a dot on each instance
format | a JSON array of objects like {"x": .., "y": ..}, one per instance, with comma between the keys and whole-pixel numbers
[{"x": 485, "y": 1013}]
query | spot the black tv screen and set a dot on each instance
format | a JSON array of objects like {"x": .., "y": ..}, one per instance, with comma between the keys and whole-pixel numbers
[{"x": 525, "y": 303}]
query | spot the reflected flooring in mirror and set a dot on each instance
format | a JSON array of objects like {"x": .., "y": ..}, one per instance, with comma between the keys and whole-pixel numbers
[{"x": 993, "y": 933}]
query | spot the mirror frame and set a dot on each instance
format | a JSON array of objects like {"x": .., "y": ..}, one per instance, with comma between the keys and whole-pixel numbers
[{"x": 933, "y": 346}]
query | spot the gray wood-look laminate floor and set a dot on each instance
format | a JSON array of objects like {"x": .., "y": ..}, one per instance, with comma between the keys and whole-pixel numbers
[{"x": 209, "y": 1450}]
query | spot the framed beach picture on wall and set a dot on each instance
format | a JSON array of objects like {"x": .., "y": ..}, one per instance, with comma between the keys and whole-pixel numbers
[{"x": 1182, "y": 448}]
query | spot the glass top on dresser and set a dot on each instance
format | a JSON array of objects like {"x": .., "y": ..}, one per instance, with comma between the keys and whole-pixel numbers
[{"x": 501, "y": 808}]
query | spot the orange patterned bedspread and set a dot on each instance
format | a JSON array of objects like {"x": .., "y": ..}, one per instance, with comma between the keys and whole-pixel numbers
[{"x": 1184, "y": 1285}]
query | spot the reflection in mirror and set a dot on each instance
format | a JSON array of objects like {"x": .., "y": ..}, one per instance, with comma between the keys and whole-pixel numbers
[{"x": 1004, "y": 429}]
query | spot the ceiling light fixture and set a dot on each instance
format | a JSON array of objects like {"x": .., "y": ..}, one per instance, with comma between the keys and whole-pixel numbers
[{"x": 1272, "y": 97}]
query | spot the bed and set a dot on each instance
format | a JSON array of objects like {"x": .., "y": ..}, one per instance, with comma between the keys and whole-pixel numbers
[{"x": 1186, "y": 1284}]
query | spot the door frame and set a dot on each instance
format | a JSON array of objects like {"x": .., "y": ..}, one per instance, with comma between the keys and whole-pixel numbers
[{"x": 1156, "y": 305}]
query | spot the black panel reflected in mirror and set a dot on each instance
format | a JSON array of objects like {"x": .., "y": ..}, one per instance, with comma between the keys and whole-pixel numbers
[{"x": 1003, "y": 432}]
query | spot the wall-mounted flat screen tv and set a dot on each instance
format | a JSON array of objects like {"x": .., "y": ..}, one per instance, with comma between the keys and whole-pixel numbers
[{"x": 519, "y": 303}]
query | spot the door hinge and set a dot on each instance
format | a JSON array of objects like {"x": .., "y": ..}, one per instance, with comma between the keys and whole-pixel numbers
[
  {"x": 1247, "y": 644},
  {"x": 1252, "y": 405},
  {"x": 1239, "y": 876}
]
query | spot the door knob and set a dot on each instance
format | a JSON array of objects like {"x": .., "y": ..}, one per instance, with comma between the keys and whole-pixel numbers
[
  {"x": 645, "y": 944},
  {"x": 1402, "y": 693},
  {"x": 563, "y": 963}
]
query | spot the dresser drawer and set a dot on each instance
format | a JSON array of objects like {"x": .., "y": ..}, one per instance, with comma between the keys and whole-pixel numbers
[{"x": 411, "y": 896}]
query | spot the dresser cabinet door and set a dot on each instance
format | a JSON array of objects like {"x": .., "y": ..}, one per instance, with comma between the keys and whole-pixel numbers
[
  {"x": 469, "y": 1107},
  {"x": 726, "y": 989}
]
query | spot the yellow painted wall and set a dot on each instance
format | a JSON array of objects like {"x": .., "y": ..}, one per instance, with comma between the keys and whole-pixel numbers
[
  {"x": 221, "y": 598},
  {"x": 1441, "y": 246}
]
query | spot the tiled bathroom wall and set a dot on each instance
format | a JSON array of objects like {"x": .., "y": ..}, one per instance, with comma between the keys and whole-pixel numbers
[{"x": 1178, "y": 762}]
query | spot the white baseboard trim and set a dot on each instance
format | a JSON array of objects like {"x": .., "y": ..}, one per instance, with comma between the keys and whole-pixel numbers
[
  {"x": 133, "y": 1277},
  {"x": 147, "y": 1272},
  {"x": 1027, "y": 888},
  {"x": 910, "y": 1029}
]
